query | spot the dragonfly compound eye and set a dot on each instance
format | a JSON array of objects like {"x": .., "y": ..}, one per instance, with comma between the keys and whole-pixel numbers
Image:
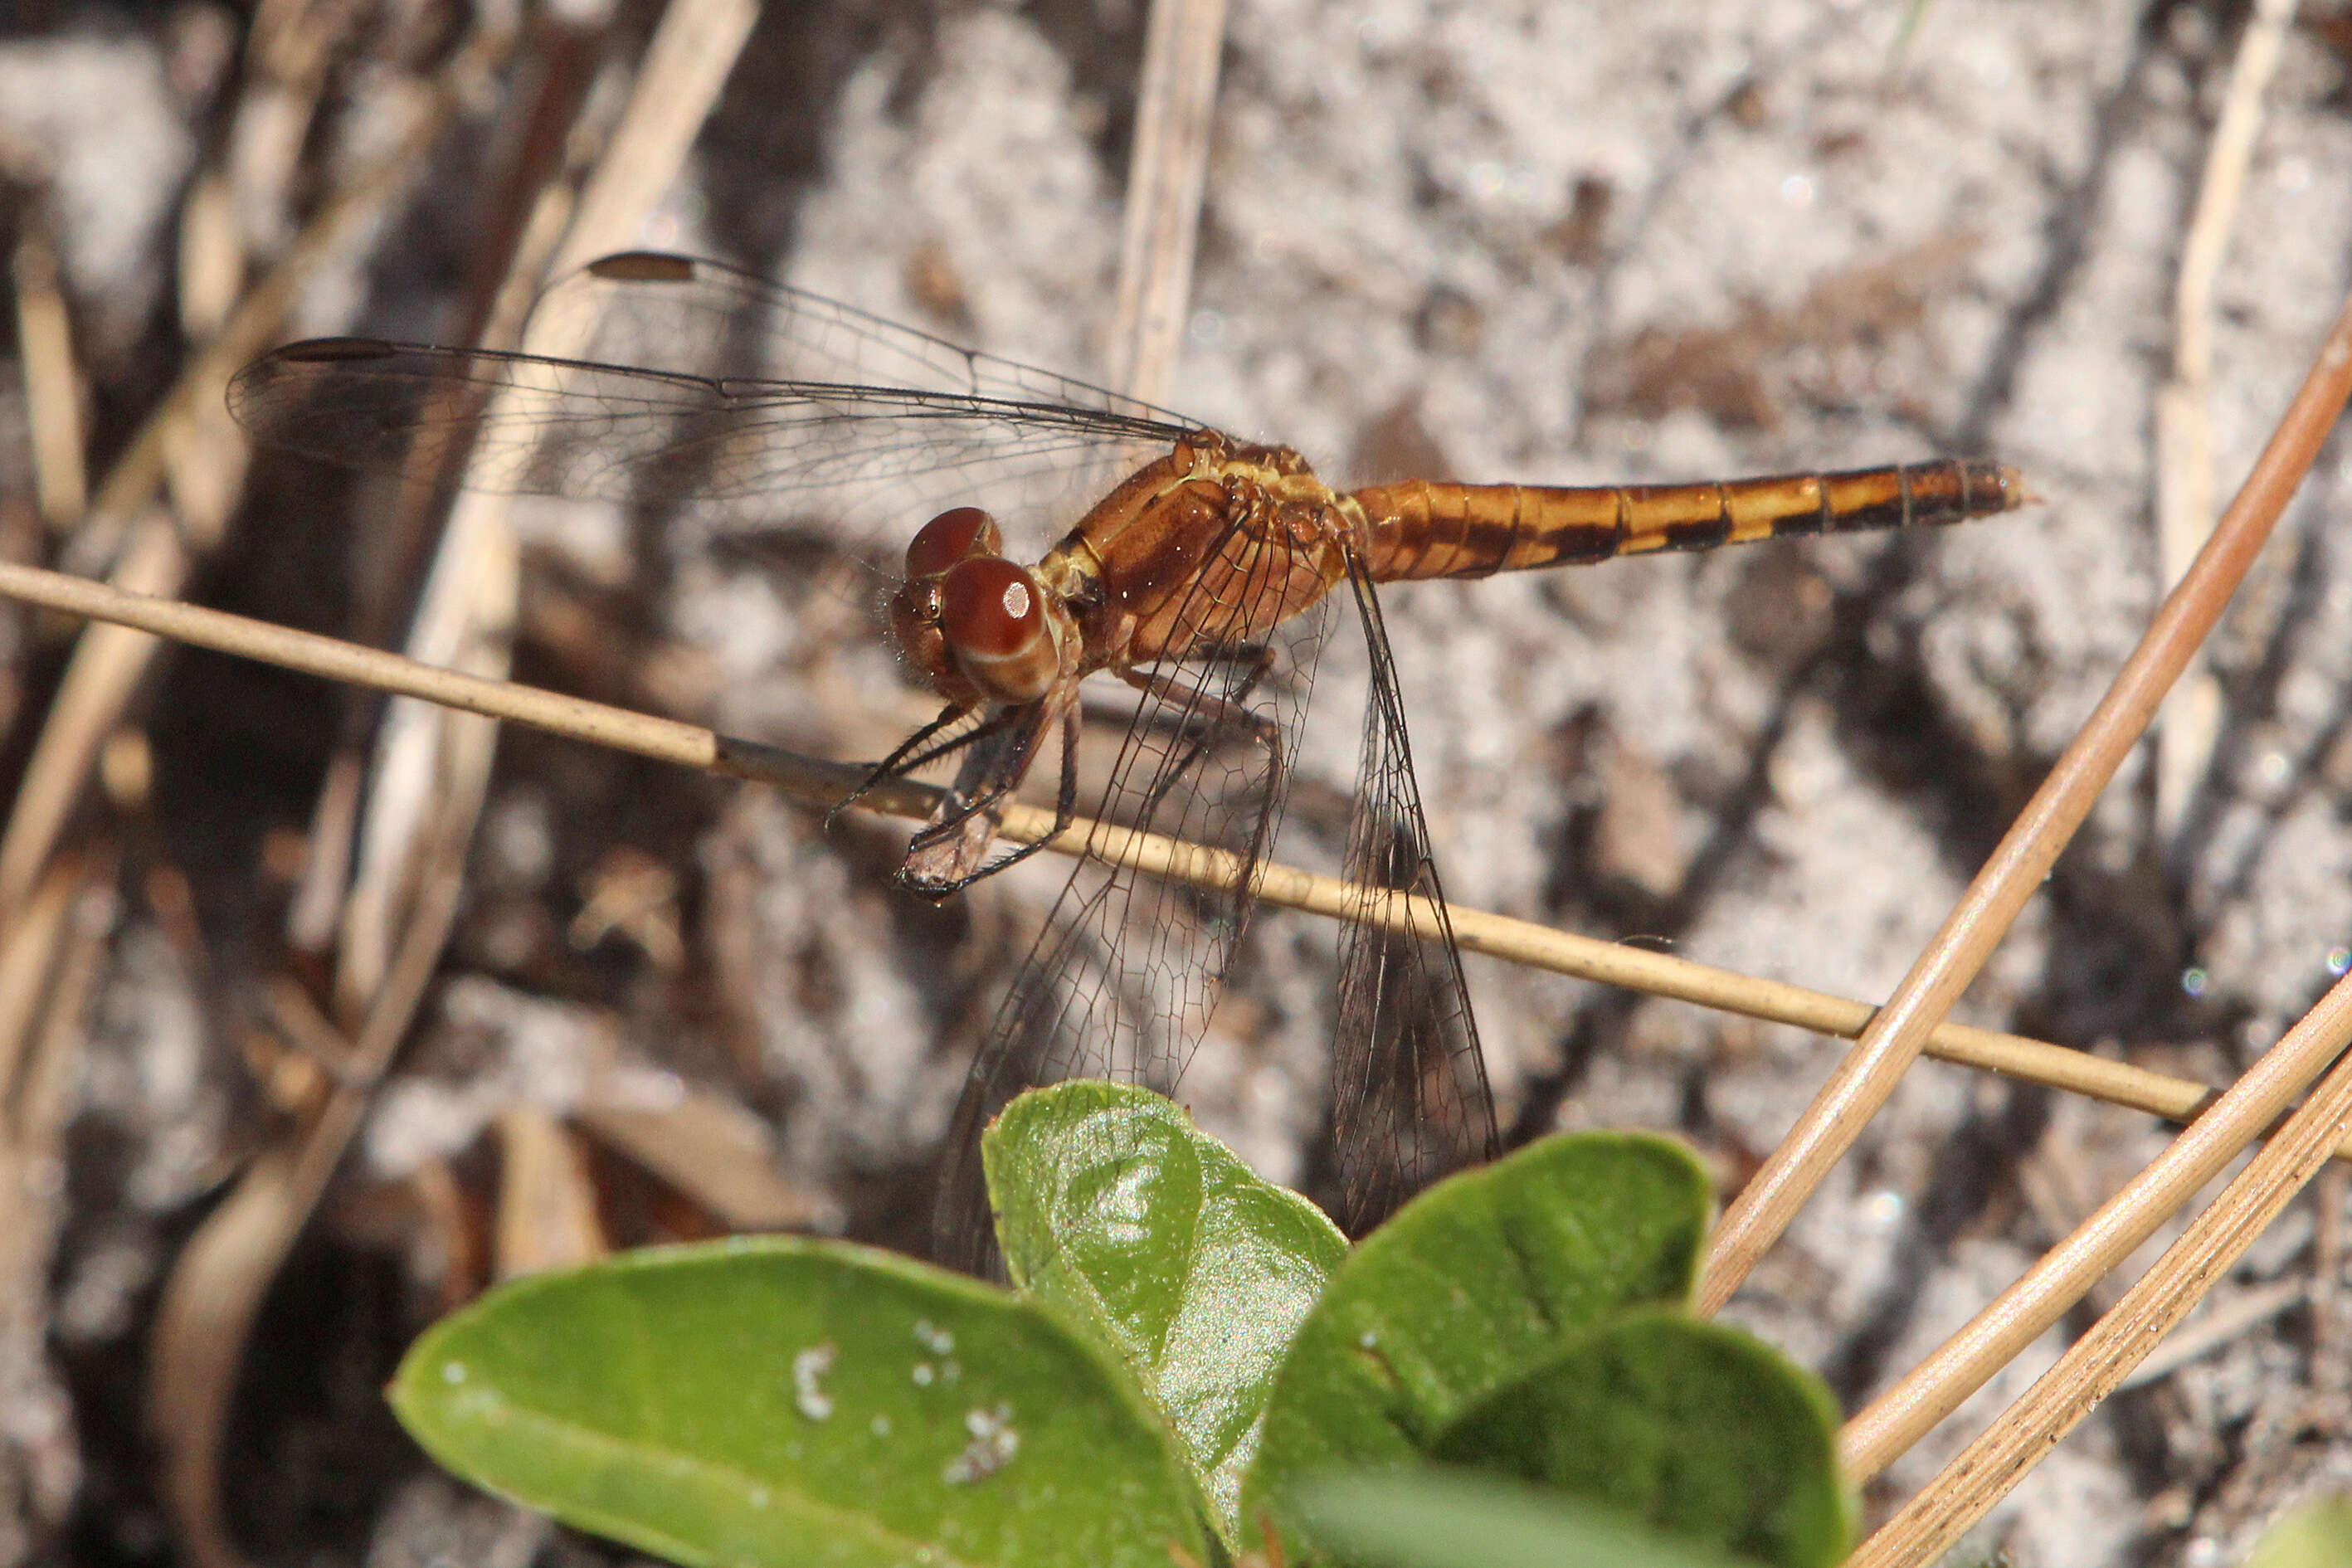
[
  {"x": 993, "y": 616},
  {"x": 962, "y": 534}
]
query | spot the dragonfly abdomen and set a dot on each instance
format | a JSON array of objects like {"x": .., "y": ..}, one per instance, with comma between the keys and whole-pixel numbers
[{"x": 1418, "y": 527}]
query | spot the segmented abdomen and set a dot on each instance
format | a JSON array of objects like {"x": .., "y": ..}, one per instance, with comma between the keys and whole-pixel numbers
[{"x": 1420, "y": 529}]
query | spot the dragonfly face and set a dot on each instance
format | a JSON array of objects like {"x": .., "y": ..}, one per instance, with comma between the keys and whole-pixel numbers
[{"x": 975, "y": 625}]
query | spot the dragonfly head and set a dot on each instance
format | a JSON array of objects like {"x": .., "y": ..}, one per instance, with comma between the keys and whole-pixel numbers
[{"x": 975, "y": 623}]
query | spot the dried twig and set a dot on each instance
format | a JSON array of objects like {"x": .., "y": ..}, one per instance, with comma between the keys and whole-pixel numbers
[
  {"x": 220, "y": 1276},
  {"x": 1863, "y": 1081},
  {"x": 1963, "y": 1363},
  {"x": 1166, "y": 176},
  {"x": 2191, "y": 719},
  {"x": 2224, "y": 1321},
  {"x": 405, "y": 894},
  {"x": 52, "y": 394},
  {"x": 430, "y": 762},
  {"x": 2095, "y": 1365},
  {"x": 104, "y": 671},
  {"x": 47, "y": 978},
  {"x": 823, "y": 783}
]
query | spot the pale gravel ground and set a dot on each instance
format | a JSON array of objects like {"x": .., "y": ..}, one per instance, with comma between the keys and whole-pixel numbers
[{"x": 1974, "y": 251}]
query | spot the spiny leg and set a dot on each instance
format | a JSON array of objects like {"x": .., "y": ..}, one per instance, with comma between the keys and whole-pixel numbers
[
  {"x": 1066, "y": 812},
  {"x": 989, "y": 726},
  {"x": 901, "y": 761}
]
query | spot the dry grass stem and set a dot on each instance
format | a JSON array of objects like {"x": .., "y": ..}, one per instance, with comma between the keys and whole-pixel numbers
[
  {"x": 27, "y": 963},
  {"x": 51, "y": 979},
  {"x": 432, "y": 773},
  {"x": 220, "y": 1276},
  {"x": 121, "y": 521},
  {"x": 2191, "y": 719},
  {"x": 1166, "y": 177},
  {"x": 689, "y": 62},
  {"x": 1868, "y": 1075},
  {"x": 1963, "y": 1363},
  {"x": 52, "y": 388},
  {"x": 547, "y": 1202},
  {"x": 431, "y": 762},
  {"x": 2096, "y": 1364},
  {"x": 508, "y": 267},
  {"x": 107, "y": 666},
  {"x": 822, "y": 782},
  {"x": 2224, "y": 1321}
]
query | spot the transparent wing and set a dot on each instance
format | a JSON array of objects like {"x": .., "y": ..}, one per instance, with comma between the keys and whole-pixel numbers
[
  {"x": 1122, "y": 980},
  {"x": 1410, "y": 1101},
  {"x": 706, "y": 390}
]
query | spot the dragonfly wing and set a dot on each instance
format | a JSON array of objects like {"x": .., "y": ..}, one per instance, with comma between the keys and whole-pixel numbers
[
  {"x": 1410, "y": 1101},
  {"x": 689, "y": 314},
  {"x": 1122, "y": 980},
  {"x": 705, "y": 389}
]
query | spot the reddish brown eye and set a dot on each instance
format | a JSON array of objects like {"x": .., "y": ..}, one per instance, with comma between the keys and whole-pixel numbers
[
  {"x": 989, "y": 609},
  {"x": 952, "y": 536}
]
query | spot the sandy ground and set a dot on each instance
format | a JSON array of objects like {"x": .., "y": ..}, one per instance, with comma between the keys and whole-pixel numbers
[{"x": 1542, "y": 242}]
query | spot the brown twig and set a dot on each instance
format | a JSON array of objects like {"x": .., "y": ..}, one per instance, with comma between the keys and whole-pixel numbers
[
  {"x": 2191, "y": 718},
  {"x": 2225, "y": 1319},
  {"x": 1869, "y": 1073},
  {"x": 52, "y": 390},
  {"x": 1963, "y": 1363},
  {"x": 405, "y": 894},
  {"x": 432, "y": 764},
  {"x": 2096, "y": 1364},
  {"x": 47, "y": 980},
  {"x": 1166, "y": 175},
  {"x": 823, "y": 783},
  {"x": 220, "y": 1276},
  {"x": 152, "y": 548}
]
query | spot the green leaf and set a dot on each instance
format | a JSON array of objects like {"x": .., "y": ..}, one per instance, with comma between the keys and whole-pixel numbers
[
  {"x": 1156, "y": 1238},
  {"x": 784, "y": 1401},
  {"x": 1469, "y": 1287},
  {"x": 1458, "y": 1518},
  {"x": 1701, "y": 1432},
  {"x": 2316, "y": 1535}
]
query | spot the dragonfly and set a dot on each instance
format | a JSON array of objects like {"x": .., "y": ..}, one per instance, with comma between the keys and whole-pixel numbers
[{"x": 1073, "y": 533}]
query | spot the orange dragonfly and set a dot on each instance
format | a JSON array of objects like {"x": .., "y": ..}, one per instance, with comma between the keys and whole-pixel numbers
[{"x": 1199, "y": 571}]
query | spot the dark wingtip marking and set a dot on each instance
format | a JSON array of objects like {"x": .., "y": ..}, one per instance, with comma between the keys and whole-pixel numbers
[
  {"x": 326, "y": 351},
  {"x": 644, "y": 267}
]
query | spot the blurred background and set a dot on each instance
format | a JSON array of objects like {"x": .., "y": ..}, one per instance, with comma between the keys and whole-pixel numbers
[{"x": 309, "y": 1037}]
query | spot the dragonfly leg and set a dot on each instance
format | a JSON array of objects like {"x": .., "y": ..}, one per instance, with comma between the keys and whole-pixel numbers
[
  {"x": 907, "y": 758},
  {"x": 1066, "y": 801},
  {"x": 996, "y": 722},
  {"x": 1212, "y": 713}
]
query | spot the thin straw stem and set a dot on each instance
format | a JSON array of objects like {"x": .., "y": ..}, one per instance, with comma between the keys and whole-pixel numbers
[
  {"x": 1170, "y": 169},
  {"x": 2096, "y": 1364},
  {"x": 824, "y": 783},
  {"x": 1869, "y": 1073}
]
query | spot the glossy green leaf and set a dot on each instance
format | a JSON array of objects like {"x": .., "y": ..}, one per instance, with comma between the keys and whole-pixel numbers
[
  {"x": 1456, "y": 1518},
  {"x": 1701, "y": 1432},
  {"x": 2316, "y": 1535},
  {"x": 791, "y": 1402},
  {"x": 1155, "y": 1238},
  {"x": 1470, "y": 1287}
]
